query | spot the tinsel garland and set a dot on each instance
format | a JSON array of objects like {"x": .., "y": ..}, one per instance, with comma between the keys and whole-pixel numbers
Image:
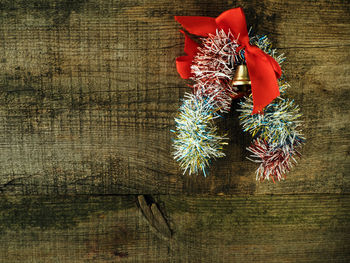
[
  {"x": 197, "y": 140},
  {"x": 276, "y": 131},
  {"x": 277, "y": 136}
]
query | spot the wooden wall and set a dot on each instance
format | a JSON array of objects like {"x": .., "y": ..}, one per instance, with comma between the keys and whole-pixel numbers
[{"x": 88, "y": 93}]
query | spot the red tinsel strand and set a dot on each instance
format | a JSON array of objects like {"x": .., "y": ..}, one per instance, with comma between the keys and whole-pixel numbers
[
  {"x": 274, "y": 161},
  {"x": 213, "y": 67}
]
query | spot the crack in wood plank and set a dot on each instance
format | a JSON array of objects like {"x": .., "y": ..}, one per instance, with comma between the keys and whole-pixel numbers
[{"x": 154, "y": 216}]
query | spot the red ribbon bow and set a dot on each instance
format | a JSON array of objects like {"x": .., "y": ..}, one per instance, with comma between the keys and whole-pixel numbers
[{"x": 263, "y": 69}]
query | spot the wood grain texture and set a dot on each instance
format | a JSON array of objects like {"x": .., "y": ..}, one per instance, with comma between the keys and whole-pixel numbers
[
  {"x": 290, "y": 228},
  {"x": 89, "y": 91}
]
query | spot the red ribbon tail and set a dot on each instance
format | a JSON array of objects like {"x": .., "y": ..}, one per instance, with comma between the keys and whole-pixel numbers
[
  {"x": 183, "y": 66},
  {"x": 183, "y": 63},
  {"x": 276, "y": 67},
  {"x": 263, "y": 78}
]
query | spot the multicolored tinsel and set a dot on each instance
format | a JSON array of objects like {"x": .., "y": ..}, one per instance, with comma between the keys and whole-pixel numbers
[
  {"x": 197, "y": 140},
  {"x": 278, "y": 124},
  {"x": 278, "y": 136},
  {"x": 275, "y": 161},
  {"x": 276, "y": 131}
]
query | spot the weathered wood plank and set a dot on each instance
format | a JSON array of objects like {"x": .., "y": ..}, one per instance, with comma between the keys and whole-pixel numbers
[
  {"x": 88, "y": 92},
  {"x": 287, "y": 228}
]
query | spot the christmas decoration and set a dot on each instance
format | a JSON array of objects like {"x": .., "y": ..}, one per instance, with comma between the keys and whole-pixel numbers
[{"x": 227, "y": 65}]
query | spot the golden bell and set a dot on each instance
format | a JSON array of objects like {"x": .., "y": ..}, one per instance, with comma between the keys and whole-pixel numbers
[{"x": 241, "y": 77}]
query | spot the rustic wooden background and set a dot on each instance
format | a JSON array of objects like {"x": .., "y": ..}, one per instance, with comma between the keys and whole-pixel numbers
[{"x": 88, "y": 93}]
